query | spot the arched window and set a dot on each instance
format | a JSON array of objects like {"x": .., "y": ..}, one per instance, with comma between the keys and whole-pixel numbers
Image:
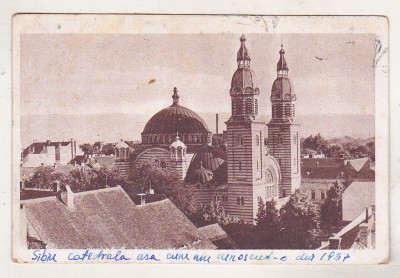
[
  {"x": 161, "y": 139},
  {"x": 293, "y": 110},
  {"x": 155, "y": 139}
]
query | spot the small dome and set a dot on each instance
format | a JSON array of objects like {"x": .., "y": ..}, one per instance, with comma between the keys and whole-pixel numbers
[
  {"x": 202, "y": 175},
  {"x": 121, "y": 145},
  {"x": 244, "y": 78},
  {"x": 282, "y": 86},
  {"x": 212, "y": 159},
  {"x": 177, "y": 144}
]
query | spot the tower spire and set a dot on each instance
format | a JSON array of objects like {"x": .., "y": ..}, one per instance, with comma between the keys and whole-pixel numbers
[
  {"x": 175, "y": 97},
  {"x": 282, "y": 67},
  {"x": 243, "y": 57}
]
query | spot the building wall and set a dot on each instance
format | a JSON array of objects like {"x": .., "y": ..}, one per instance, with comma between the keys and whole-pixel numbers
[
  {"x": 160, "y": 154},
  {"x": 356, "y": 198},
  {"x": 46, "y": 158},
  {"x": 284, "y": 145},
  {"x": 246, "y": 168}
]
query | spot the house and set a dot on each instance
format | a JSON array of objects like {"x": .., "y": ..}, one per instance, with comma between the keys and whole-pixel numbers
[
  {"x": 106, "y": 218},
  {"x": 49, "y": 153},
  {"x": 319, "y": 174}
]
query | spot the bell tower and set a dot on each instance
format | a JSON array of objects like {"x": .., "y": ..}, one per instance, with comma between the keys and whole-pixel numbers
[
  {"x": 283, "y": 131},
  {"x": 245, "y": 142}
]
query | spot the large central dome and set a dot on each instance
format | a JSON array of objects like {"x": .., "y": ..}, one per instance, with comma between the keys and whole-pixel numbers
[
  {"x": 164, "y": 125},
  {"x": 175, "y": 119}
]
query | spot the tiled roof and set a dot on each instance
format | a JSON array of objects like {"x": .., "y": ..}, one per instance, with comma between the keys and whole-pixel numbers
[
  {"x": 358, "y": 163},
  {"x": 107, "y": 218},
  {"x": 333, "y": 168},
  {"x": 212, "y": 232},
  {"x": 105, "y": 161},
  {"x": 322, "y": 162}
]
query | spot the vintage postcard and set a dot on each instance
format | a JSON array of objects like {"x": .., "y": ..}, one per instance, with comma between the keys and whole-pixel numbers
[{"x": 200, "y": 139}]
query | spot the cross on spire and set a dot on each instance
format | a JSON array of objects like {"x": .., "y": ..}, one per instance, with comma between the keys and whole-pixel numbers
[
  {"x": 243, "y": 57},
  {"x": 282, "y": 67},
  {"x": 175, "y": 97}
]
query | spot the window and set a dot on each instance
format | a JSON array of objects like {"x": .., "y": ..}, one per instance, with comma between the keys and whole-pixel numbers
[
  {"x": 259, "y": 199},
  {"x": 224, "y": 198},
  {"x": 163, "y": 164},
  {"x": 312, "y": 195},
  {"x": 242, "y": 201},
  {"x": 280, "y": 162},
  {"x": 256, "y": 107},
  {"x": 238, "y": 201},
  {"x": 257, "y": 165},
  {"x": 279, "y": 139},
  {"x": 323, "y": 196},
  {"x": 257, "y": 140},
  {"x": 249, "y": 106}
]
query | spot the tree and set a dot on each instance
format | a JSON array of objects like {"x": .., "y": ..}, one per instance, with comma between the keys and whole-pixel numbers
[
  {"x": 299, "y": 226},
  {"x": 44, "y": 178},
  {"x": 331, "y": 210},
  {"x": 316, "y": 143},
  {"x": 214, "y": 213},
  {"x": 334, "y": 150},
  {"x": 87, "y": 149},
  {"x": 108, "y": 149},
  {"x": 162, "y": 181},
  {"x": 82, "y": 179},
  {"x": 267, "y": 230},
  {"x": 105, "y": 177}
]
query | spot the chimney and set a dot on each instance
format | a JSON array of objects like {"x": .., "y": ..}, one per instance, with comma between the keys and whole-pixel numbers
[
  {"x": 334, "y": 243},
  {"x": 216, "y": 123},
  {"x": 68, "y": 198},
  {"x": 365, "y": 236},
  {"x": 142, "y": 199},
  {"x": 56, "y": 186}
]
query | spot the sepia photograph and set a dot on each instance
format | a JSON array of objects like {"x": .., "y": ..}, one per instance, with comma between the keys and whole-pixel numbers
[{"x": 172, "y": 138}]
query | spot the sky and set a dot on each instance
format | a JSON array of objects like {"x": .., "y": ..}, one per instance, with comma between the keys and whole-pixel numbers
[{"x": 91, "y": 74}]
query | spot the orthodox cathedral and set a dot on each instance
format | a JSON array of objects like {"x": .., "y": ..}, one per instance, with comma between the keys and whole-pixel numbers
[{"x": 261, "y": 160}]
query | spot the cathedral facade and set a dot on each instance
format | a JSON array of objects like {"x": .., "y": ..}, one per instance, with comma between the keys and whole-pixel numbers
[{"x": 260, "y": 162}]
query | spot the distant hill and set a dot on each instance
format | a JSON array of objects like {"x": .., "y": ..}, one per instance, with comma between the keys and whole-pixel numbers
[{"x": 113, "y": 127}]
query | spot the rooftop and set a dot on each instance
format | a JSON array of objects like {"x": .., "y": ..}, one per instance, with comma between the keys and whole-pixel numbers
[{"x": 107, "y": 218}]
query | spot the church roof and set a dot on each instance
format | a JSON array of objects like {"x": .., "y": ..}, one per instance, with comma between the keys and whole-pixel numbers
[
  {"x": 211, "y": 158},
  {"x": 282, "y": 86},
  {"x": 244, "y": 77},
  {"x": 176, "y": 118},
  {"x": 202, "y": 175}
]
